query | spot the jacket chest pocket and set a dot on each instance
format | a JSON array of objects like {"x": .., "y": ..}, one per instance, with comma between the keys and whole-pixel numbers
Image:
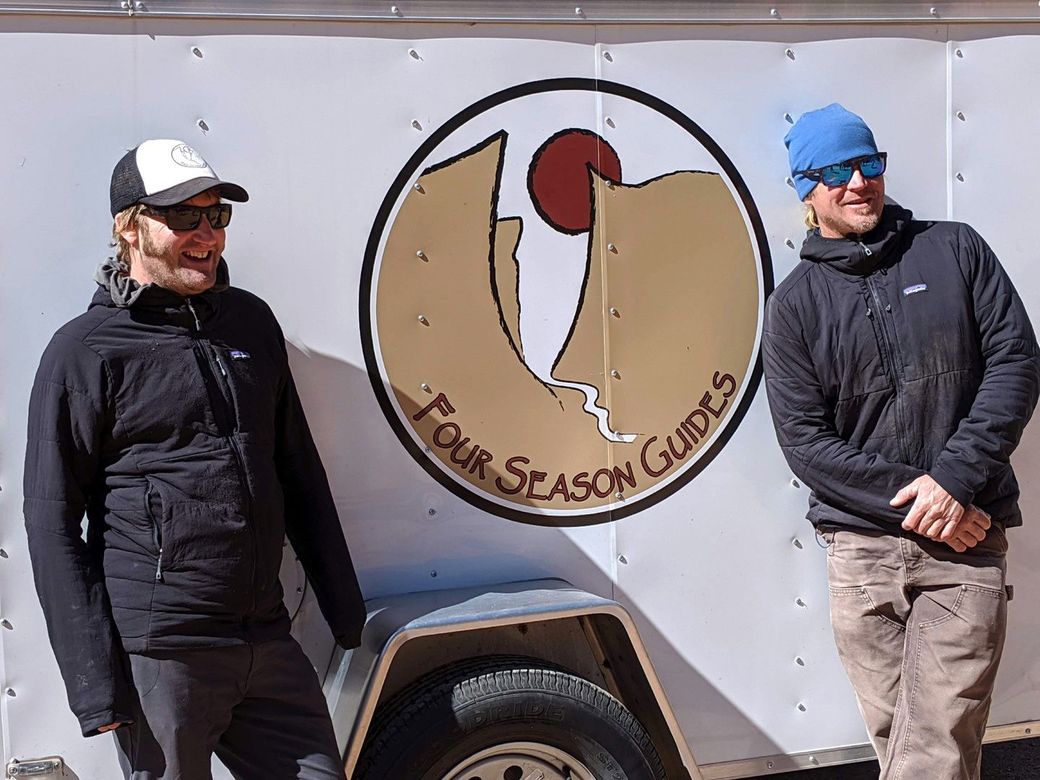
[
  {"x": 937, "y": 329},
  {"x": 852, "y": 358},
  {"x": 252, "y": 387},
  {"x": 164, "y": 395}
]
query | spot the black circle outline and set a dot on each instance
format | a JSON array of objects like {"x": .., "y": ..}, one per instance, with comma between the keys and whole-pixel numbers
[{"x": 404, "y": 179}]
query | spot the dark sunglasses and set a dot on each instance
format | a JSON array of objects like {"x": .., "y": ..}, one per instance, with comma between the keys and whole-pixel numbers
[
  {"x": 839, "y": 174},
  {"x": 182, "y": 217}
]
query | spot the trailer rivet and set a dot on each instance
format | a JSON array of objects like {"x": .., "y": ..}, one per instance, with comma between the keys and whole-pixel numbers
[
  {"x": 612, "y": 248},
  {"x": 960, "y": 176},
  {"x": 418, "y": 188},
  {"x": 615, "y": 313},
  {"x": 790, "y": 243},
  {"x": 608, "y": 56},
  {"x": 801, "y": 708},
  {"x": 799, "y": 602},
  {"x": 797, "y": 543},
  {"x": 774, "y": 13},
  {"x": 423, "y": 320},
  {"x": 414, "y": 54},
  {"x": 959, "y": 53},
  {"x": 196, "y": 51},
  {"x": 425, "y": 388},
  {"x": 299, "y": 589},
  {"x": 615, "y": 373},
  {"x": 789, "y": 181},
  {"x": 1029, "y": 730},
  {"x": 619, "y": 496},
  {"x": 610, "y": 122},
  {"x": 933, "y": 11},
  {"x": 6, "y": 624},
  {"x": 813, "y": 760},
  {"x": 416, "y": 124},
  {"x": 3, "y": 553},
  {"x": 960, "y": 115},
  {"x": 433, "y": 573},
  {"x": 578, "y": 11},
  {"x": 395, "y": 10},
  {"x": 795, "y": 483},
  {"x": 10, "y": 692},
  {"x": 422, "y": 256},
  {"x": 788, "y": 118},
  {"x": 431, "y": 511},
  {"x": 769, "y": 764},
  {"x": 789, "y": 53},
  {"x": 202, "y": 125},
  {"x": 798, "y": 660},
  {"x": 622, "y": 559}
]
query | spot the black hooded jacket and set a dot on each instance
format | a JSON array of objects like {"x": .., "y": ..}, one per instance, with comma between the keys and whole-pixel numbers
[
  {"x": 904, "y": 354},
  {"x": 172, "y": 423}
]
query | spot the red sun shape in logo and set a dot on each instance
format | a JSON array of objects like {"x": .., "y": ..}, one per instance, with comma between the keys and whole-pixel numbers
[{"x": 559, "y": 179}]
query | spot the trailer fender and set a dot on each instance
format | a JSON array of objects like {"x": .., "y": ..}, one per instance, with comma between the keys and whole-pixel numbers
[{"x": 464, "y": 619}]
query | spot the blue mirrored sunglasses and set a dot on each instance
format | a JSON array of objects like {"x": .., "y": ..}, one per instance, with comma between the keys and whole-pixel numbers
[{"x": 840, "y": 174}]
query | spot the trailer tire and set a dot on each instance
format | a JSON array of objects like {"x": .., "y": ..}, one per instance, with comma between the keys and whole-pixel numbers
[{"x": 466, "y": 720}]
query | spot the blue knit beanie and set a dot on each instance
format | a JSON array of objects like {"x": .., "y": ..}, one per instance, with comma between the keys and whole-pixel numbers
[{"x": 826, "y": 136}]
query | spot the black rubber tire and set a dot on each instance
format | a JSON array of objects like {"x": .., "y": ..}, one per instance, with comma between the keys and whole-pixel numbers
[{"x": 459, "y": 710}]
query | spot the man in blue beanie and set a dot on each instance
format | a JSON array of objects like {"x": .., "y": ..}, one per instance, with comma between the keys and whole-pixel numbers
[{"x": 901, "y": 369}]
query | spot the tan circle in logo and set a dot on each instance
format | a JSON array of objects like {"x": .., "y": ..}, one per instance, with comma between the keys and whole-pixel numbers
[
  {"x": 659, "y": 359},
  {"x": 187, "y": 157}
]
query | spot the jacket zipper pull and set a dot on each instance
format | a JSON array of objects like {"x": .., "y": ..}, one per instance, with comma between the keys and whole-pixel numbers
[
  {"x": 870, "y": 314},
  {"x": 194, "y": 316},
  {"x": 158, "y": 567},
  {"x": 866, "y": 249}
]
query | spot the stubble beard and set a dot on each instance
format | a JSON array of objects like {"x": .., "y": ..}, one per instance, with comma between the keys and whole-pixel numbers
[
  {"x": 856, "y": 226},
  {"x": 164, "y": 267}
]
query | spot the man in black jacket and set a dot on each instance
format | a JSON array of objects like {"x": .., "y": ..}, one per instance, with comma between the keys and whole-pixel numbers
[
  {"x": 901, "y": 369},
  {"x": 168, "y": 416}
]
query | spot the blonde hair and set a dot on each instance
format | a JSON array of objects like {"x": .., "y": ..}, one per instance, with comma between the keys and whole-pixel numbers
[
  {"x": 810, "y": 219},
  {"x": 124, "y": 220}
]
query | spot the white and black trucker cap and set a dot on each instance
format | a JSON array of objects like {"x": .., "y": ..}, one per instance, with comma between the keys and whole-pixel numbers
[{"x": 164, "y": 172}]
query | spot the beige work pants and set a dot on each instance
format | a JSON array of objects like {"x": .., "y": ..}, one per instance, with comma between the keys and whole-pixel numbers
[{"x": 920, "y": 630}]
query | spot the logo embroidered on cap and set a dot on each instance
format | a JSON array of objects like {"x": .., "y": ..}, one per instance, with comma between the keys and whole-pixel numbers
[
  {"x": 915, "y": 288},
  {"x": 237, "y": 354},
  {"x": 187, "y": 157}
]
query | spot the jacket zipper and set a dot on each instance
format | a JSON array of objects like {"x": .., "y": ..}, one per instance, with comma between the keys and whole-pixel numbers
[
  {"x": 231, "y": 427},
  {"x": 156, "y": 533},
  {"x": 890, "y": 353}
]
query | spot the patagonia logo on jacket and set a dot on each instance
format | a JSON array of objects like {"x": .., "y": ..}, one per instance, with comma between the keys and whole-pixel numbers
[
  {"x": 915, "y": 288},
  {"x": 238, "y": 354}
]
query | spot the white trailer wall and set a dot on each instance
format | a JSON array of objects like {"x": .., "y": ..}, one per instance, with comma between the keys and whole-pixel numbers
[{"x": 316, "y": 119}]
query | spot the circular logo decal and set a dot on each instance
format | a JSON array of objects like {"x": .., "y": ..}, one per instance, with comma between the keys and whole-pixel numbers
[
  {"x": 187, "y": 157},
  {"x": 561, "y": 302}
]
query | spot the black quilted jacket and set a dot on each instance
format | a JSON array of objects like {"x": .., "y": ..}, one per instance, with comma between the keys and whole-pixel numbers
[
  {"x": 174, "y": 425},
  {"x": 904, "y": 354}
]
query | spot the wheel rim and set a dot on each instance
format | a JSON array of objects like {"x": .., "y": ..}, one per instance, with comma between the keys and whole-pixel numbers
[{"x": 521, "y": 761}]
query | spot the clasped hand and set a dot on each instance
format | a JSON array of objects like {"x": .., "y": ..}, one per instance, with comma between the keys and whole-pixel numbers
[{"x": 939, "y": 516}]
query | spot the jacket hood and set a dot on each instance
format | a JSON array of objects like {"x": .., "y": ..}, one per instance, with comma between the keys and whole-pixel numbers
[
  {"x": 863, "y": 256},
  {"x": 116, "y": 288}
]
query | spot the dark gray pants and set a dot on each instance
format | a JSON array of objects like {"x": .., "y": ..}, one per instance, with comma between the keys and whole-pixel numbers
[
  {"x": 920, "y": 630},
  {"x": 258, "y": 707}
]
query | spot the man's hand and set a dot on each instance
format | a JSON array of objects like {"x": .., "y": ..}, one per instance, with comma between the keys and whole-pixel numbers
[
  {"x": 109, "y": 727},
  {"x": 968, "y": 531},
  {"x": 933, "y": 510}
]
